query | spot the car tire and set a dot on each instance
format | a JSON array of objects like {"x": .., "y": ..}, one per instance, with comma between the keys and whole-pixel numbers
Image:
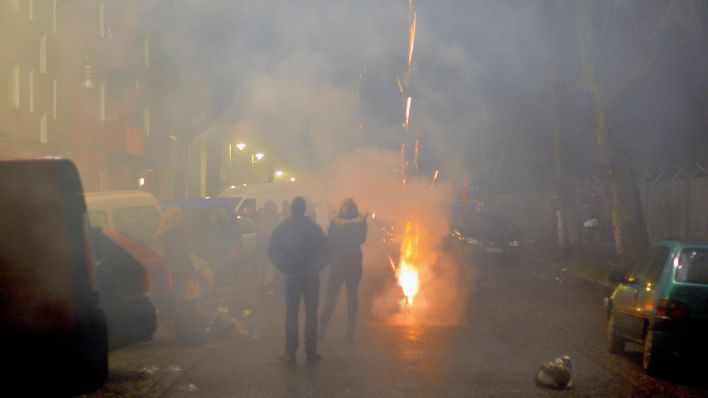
[
  {"x": 654, "y": 355},
  {"x": 615, "y": 342}
]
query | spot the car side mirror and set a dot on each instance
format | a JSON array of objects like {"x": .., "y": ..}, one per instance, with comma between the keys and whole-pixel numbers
[{"x": 617, "y": 277}]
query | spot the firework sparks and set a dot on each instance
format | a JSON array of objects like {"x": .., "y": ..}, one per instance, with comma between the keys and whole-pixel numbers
[
  {"x": 416, "y": 156},
  {"x": 404, "y": 163},
  {"x": 406, "y": 118},
  {"x": 435, "y": 178},
  {"x": 411, "y": 35}
]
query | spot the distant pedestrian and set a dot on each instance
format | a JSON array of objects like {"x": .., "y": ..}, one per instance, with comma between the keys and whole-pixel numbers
[
  {"x": 298, "y": 248},
  {"x": 346, "y": 233},
  {"x": 266, "y": 221},
  {"x": 284, "y": 210}
]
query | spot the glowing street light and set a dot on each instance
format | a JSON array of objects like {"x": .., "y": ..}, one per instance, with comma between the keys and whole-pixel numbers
[
  {"x": 259, "y": 156},
  {"x": 240, "y": 146},
  {"x": 279, "y": 173},
  {"x": 291, "y": 179}
]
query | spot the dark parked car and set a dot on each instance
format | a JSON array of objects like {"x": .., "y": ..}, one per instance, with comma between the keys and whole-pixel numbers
[
  {"x": 662, "y": 304},
  {"x": 158, "y": 271},
  {"x": 52, "y": 330},
  {"x": 487, "y": 237},
  {"x": 124, "y": 290}
]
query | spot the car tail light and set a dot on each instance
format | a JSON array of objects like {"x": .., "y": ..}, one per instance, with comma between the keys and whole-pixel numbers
[
  {"x": 88, "y": 253},
  {"x": 671, "y": 309},
  {"x": 147, "y": 287}
]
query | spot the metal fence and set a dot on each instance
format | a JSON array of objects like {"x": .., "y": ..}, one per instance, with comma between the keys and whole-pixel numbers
[{"x": 675, "y": 206}]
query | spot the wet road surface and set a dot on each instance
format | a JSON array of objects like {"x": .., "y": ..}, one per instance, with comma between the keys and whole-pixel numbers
[{"x": 513, "y": 319}]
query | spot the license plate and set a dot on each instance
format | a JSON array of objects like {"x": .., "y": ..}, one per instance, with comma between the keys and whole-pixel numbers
[{"x": 493, "y": 250}]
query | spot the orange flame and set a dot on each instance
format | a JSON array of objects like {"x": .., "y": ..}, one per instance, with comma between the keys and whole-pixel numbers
[{"x": 406, "y": 273}]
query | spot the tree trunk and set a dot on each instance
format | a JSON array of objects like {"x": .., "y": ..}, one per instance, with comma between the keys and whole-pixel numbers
[{"x": 629, "y": 230}]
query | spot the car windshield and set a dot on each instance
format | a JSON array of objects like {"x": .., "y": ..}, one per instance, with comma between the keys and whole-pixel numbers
[{"x": 693, "y": 266}]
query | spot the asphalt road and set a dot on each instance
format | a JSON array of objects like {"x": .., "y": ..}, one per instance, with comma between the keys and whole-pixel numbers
[{"x": 507, "y": 320}]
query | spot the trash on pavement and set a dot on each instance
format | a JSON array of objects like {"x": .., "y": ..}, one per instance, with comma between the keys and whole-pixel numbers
[{"x": 556, "y": 374}]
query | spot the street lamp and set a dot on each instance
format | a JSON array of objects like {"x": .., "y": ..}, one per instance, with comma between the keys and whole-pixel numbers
[
  {"x": 240, "y": 146},
  {"x": 279, "y": 173},
  {"x": 259, "y": 156}
]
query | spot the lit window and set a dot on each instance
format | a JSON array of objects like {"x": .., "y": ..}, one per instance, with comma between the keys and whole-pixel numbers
[
  {"x": 13, "y": 86},
  {"x": 54, "y": 99},
  {"x": 43, "y": 53},
  {"x": 54, "y": 16},
  {"x": 31, "y": 90},
  {"x": 146, "y": 120},
  {"x": 146, "y": 51},
  {"x": 102, "y": 19},
  {"x": 102, "y": 102},
  {"x": 43, "y": 128}
]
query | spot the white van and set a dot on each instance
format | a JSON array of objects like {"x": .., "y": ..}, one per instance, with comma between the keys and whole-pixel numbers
[
  {"x": 248, "y": 198},
  {"x": 134, "y": 213}
]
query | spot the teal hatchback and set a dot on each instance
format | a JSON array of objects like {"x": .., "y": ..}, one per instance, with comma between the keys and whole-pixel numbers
[{"x": 662, "y": 305}]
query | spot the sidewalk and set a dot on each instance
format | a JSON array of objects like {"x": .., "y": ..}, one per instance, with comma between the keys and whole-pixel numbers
[{"x": 590, "y": 268}]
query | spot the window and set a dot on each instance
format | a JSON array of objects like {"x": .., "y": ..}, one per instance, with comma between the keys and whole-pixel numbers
[
  {"x": 13, "y": 85},
  {"x": 140, "y": 223},
  {"x": 43, "y": 53},
  {"x": 54, "y": 16},
  {"x": 102, "y": 19},
  {"x": 98, "y": 218},
  {"x": 693, "y": 266},
  {"x": 102, "y": 102},
  {"x": 54, "y": 99},
  {"x": 43, "y": 128},
  {"x": 656, "y": 265},
  {"x": 146, "y": 120},
  {"x": 31, "y": 90},
  {"x": 146, "y": 51}
]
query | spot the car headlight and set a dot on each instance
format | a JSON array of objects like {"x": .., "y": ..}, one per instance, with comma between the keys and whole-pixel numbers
[
  {"x": 514, "y": 243},
  {"x": 472, "y": 241}
]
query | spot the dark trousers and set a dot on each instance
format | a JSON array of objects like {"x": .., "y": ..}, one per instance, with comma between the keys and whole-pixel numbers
[
  {"x": 296, "y": 290},
  {"x": 339, "y": 276}
]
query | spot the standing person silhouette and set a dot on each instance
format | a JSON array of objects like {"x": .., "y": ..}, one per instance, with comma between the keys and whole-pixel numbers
[
  {"x": 346, "y": 233},
  {"x": 298, "y": 248}
]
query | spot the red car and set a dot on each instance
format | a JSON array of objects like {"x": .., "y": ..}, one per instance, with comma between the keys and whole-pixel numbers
[{"x": 159, "y": 271}]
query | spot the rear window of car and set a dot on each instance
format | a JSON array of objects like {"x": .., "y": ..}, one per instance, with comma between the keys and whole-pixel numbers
[
  {"x": 98, "y": 218},
  {"x": 693, "y": 266},
  {"x": 140, "y": 223}
]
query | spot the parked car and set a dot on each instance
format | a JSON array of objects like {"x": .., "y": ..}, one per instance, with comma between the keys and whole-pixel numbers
[
  {"x": 52, "y": 329},
  {"x": 124, "y": 290},
  {"x": 211, "y": 232},
  {"x": 158, "y": 270},
  {"x": 662, "y": 304},
  {"x": 136, "y": 214},
  {"x": 486, "y": 236}
]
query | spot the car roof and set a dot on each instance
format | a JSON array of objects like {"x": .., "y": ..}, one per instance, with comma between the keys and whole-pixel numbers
[
  {"x": 201, "y": 202},
  {"x": 684, "y": 242}
]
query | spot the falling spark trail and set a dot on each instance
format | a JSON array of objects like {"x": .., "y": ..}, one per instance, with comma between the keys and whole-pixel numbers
[
  {"x": 408, "y": 113},
  {"x": 404, "y": 163},
  {"x": 416, "y": 156},
  {"x": 400, "y": 87},
  {"x": 435, "y": 178},
  {"x": 411, "y": 38}
]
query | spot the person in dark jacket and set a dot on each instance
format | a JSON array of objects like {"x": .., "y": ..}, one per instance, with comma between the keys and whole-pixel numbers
[
  {"x": 298, "y": 248},
  {"x": 346, "y": 233}
]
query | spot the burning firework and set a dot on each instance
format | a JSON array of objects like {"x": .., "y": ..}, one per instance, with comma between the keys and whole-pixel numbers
[{"x": 406, "y": 273}]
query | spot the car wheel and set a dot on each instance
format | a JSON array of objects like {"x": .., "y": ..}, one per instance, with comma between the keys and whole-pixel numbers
[
  {"x": 615, "y": 342},
  {"x": 654, "y": 355}
]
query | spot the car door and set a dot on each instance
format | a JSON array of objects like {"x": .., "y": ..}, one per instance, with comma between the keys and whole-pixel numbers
[
  {"x": 630, "y": 306},
  {"x": 645, "y": 303}
]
